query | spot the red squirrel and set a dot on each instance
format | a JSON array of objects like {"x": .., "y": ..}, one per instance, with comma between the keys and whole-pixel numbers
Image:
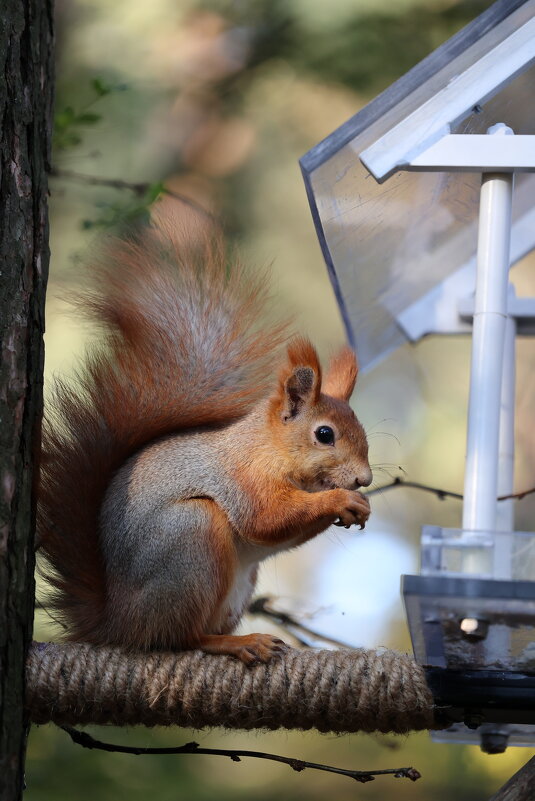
[{"x": 188, "y": 448}]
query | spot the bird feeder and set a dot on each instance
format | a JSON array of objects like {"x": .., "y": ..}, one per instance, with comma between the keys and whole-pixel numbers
[{"x": 422, "y": 201}]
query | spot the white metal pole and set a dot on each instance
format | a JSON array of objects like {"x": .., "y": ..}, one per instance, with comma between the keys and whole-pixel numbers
[
  {"x": 506, "y": 453},
  {"x": 490, "y": 315},
  {"x": 498, "y": 641}
]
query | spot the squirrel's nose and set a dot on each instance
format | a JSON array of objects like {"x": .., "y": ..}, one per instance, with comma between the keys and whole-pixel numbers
[{"x": 364, "y": 478}]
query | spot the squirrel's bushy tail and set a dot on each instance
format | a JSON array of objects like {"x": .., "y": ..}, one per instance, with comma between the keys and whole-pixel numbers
[{"x": 182, "y": 347}]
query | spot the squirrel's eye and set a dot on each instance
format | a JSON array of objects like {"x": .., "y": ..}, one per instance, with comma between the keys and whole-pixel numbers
[{"x": 325, "y": 435}]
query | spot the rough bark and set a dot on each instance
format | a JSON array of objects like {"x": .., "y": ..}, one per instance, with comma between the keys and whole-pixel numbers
[
  {"x": 520, "y": 787},
  {"x": 25, "y": 122}
]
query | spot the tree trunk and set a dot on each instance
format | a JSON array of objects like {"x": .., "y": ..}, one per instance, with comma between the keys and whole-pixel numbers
[
  {"x": 26, "y": 70},
  {"x": 520, "y": 787}
]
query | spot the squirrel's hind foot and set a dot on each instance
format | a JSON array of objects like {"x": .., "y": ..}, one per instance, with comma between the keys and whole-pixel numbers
[{"x": 250, "y": 648}]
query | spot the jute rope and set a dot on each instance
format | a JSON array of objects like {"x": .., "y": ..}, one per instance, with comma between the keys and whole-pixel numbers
[{"x": 332, "y": 691}]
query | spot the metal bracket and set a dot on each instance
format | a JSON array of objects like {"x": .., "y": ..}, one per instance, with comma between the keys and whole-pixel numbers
[
  {"x": 445, "y": 309},
  {"x": 404, "y": 142},
  {"x": 521, "y": 309},
  {"x": 476, "y": 153}
]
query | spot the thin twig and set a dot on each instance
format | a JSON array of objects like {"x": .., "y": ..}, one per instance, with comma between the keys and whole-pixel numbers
[
  {"x": 401, "y": 482},
  {"x": 516, "y": 495},
  {"x": 260, "y": 606},
  {"x": 139, "y": 188},
  {"x": 441, "y": 493},
  {"x": 86, "y": 741}
]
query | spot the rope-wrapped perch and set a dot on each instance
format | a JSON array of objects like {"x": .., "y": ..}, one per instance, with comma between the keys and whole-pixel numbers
[{"x": 332, "y": 691}]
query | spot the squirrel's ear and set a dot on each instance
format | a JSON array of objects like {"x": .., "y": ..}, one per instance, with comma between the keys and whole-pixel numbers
[
  {"x": 298, "y": 391},
  {"x": 300, "y": 380},
  {"x": 341, "y": 376}
]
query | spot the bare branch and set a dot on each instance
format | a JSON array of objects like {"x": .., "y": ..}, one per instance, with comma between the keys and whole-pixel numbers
[
  {"x": 516, "y": 495},
  {"x": 442, "y": 494},
  {"x": 261, "y": 606},
  {"x": 138, "y": 188},
  {"x": 86, "y": 741},
  {"x": 401, "y": 482}
]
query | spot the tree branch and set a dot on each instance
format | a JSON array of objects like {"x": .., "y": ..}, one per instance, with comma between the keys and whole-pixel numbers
[
  {"x": 139, "y": 188},
  {"x": 86, "y": 741},
  {"x": 520, "y": 787},
  {"x": 441, "y": 493},
  {"x": 260, "y": 606}
]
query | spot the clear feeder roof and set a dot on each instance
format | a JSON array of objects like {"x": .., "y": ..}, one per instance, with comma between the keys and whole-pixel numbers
[{"x": 390, "y": 246}]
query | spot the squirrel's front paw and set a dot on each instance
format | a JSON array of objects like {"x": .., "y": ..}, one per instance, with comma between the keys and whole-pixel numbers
[
  {"x": 259, "y": 648},
  {"x": 356, "y": 509},
  {"x": 250, "y": 648}
]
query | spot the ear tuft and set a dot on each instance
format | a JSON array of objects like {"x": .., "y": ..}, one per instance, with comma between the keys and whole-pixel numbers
[
  {"x": 299, "y": 388},
  {"x": 299, "y": 380},
  {"x": 341, "y": 376},
  {"x": 301, "y": 351}
]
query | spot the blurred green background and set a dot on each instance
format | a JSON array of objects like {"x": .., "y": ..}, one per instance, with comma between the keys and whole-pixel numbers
[{"x": 216, "y": 101}]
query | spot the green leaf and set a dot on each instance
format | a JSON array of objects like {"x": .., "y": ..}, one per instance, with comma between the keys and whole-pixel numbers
[
  {"x": 100, "y": 87},
  {"x": 64, "y": 118},
  {"x": 87, "y": 118}
]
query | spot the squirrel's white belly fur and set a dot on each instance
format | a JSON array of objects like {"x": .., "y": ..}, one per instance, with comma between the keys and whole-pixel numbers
[
  {"x": 244, "y": 582},
  {"x": 237, "y": 599}
]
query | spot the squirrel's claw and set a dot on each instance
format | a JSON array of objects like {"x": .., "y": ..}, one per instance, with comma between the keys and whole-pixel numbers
[
  {"x": 261, "y": 649},
  {"x": 249, "y": 648}
]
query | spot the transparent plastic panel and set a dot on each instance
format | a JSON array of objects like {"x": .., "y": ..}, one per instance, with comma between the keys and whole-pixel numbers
[
  {"x": 472, "y": 624},
  {"x": 493, "y": 554},
  {"x": 387, "y": 245}
]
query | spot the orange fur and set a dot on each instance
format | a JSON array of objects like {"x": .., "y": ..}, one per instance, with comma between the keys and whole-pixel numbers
[
  {"x": 339, "y": 382},
  {"x": 174, "y": 464},
  {"x": 301, "y": 353},
  {"x": 181, "y": 348}
]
